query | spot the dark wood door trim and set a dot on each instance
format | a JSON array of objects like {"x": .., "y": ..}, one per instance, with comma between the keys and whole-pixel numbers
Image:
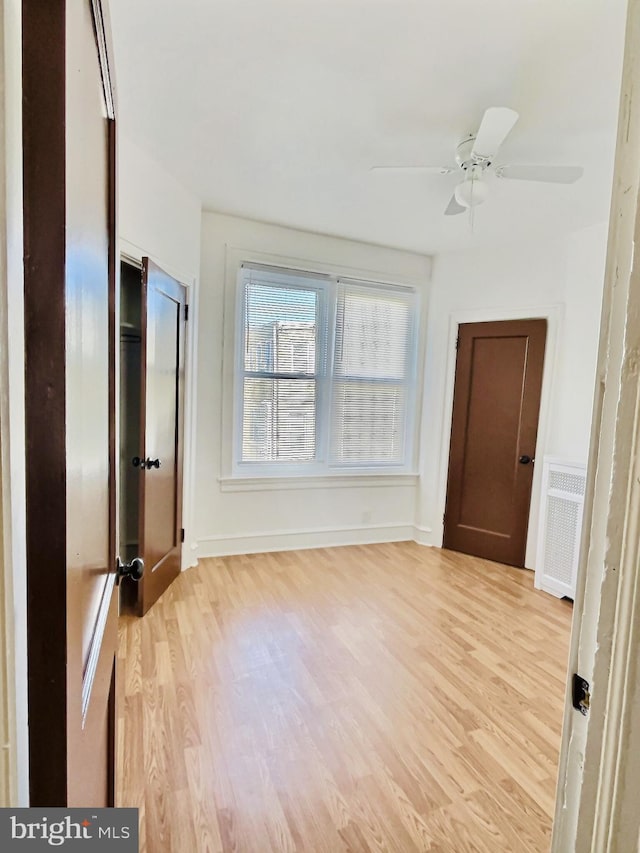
[{"x": 44, "y": 174}]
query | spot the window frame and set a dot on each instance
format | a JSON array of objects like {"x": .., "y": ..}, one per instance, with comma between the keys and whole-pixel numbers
[{"x": 326, "y": 285}]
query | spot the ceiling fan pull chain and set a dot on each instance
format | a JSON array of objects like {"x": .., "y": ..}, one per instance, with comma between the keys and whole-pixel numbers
[{"x": 472, "y": 206}]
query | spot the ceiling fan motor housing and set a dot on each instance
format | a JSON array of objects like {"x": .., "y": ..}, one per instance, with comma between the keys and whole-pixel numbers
[{"x": 467, "y": 159}]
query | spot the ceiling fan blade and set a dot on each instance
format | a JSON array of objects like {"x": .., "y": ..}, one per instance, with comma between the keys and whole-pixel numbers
[
  {"x": 432, "y": 170},
  {"x": 495, "y": 126},
  {"x": 548, "y": 174},
  {"x": 453, "y": 208}
]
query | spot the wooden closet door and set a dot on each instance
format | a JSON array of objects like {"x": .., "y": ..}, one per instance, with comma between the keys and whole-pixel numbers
[{"x": 160, "y": 518}]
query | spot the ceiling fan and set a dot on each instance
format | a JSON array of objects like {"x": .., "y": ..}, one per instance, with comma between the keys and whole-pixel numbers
[{"x": 476, "y": 154}]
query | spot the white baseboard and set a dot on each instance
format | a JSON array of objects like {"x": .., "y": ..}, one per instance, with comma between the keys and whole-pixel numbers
[
  {"x": 189, "y": 555},
  {"x": 290, "y": 540},
  {"x": 424, "y": 536}
]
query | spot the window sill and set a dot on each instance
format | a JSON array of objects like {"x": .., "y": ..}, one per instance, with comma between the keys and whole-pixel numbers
[{"x": 322, "y": 481}]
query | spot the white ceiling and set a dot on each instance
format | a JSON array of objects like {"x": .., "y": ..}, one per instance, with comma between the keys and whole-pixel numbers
[{"x": 276, "y": 109}]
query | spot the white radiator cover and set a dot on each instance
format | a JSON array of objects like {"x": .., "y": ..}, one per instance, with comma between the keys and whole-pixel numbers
[{"x": 561, "y": 508}]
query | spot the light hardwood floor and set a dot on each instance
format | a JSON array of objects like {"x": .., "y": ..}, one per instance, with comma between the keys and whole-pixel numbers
[{"x": 369, "y": 698}]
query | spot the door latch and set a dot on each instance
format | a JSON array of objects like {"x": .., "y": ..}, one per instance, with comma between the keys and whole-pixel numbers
[
  {"x": 142, "y": 463},
  {"x": 580, "y": 694},
  {"x": 133, "y": 570}
]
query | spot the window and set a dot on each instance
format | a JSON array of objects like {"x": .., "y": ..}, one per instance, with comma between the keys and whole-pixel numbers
[
  {"x": 370, "y": 369},
  {"x": 324, "y": 377}
]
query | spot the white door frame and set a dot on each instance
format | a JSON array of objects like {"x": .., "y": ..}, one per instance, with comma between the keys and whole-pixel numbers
[
  {"x": 599, "y": 776},
  {"x": 14, "y": 746}
]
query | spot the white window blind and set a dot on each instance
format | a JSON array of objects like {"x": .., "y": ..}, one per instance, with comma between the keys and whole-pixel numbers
[
  {"x": 371, "y": 375},
  {"x": 314, "y": 395},
  {"x": 280, "y": 363}
]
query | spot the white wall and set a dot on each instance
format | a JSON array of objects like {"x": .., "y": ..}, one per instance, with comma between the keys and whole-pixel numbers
[
  {"x": 158, "y": 217},
  {"x": 258, "y": 518},
  {"x": 562, "y": 281},
  {"x": 573, "y": 395}
]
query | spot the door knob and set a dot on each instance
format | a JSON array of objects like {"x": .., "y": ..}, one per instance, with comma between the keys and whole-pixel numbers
[
  {"x": 152, "y": 463},
  {"x": 525, "y": 460},
  {"x": 133, "y": 570},
  {"x": 137, "y": 461}
]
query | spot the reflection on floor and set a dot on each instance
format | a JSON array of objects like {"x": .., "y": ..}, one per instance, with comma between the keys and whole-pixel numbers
[{"x": 368, "y": 698}]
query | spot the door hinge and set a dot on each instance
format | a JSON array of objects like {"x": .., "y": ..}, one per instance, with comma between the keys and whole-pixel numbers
[
  {"x": 580, "y": 694},
  {"x": 457, "y": 342},
  {"x": 182, "y": 534},
  {"x": 186, "y": 312}
]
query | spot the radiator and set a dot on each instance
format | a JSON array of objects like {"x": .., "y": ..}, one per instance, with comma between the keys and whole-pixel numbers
[{"x": 561, "y": 507}]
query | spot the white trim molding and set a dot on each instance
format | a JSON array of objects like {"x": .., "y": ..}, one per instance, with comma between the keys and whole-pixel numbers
[
  {"x": 423, "y": 536},
  {"x": 14, "y": 745},
  {"x": 337, "y": 481},
  {"x": 133, "y": 254},
  {"x": 289, "y": 540},
  {"x": 599, "y": 775}
]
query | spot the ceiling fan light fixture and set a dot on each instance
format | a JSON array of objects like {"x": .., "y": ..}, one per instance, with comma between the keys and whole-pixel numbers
[
  {"x": 476, "y": 156},
  {"x": 471, "y": 192}
]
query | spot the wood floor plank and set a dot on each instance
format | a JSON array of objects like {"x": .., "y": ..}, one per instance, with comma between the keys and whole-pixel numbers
[{"x": 347, "y": 700}]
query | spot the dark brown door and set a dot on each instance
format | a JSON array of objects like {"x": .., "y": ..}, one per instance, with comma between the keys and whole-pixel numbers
[
  {"x": 160, "y": 516},
  {"x": 69, "y": 232},
  {"x": 493, "y": 438}
]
